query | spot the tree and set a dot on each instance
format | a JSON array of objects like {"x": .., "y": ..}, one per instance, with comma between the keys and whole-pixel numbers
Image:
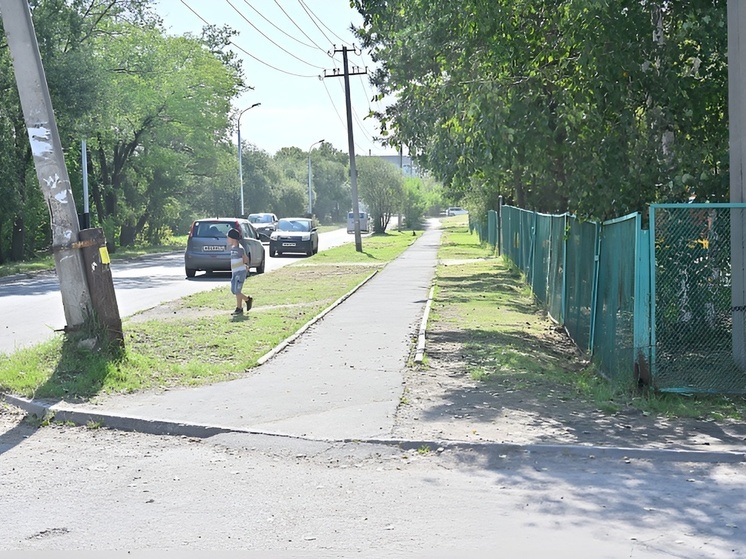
[
  {"x": 168, "y": 103},
  {"x": 380, "y": 186},
  {"x": 595, "y": 107}
]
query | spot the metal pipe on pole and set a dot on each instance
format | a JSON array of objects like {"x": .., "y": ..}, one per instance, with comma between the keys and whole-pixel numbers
[
  {"x": 310, "y": 187},
  {"x": 49, "y": 160},
  {"x": 240, "y": 160}
]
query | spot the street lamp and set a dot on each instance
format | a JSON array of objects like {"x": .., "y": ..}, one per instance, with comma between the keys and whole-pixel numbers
[
  {"x": 240, "y": 166},
  {"x": 310, "y": 192}
]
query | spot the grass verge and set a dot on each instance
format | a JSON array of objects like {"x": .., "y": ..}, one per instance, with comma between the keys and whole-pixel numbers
[
  {"x": 196, "y": 340},
  {"x": 506, "y": 340}
]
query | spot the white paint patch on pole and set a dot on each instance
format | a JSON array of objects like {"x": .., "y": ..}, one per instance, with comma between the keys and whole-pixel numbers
[{"x": 41, "y": 141}]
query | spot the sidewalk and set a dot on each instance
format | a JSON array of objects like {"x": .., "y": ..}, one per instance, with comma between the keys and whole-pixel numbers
[{"x": 342, "y": 379}]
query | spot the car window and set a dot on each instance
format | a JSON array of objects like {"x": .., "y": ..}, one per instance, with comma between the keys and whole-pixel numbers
[{"x": 211, "y": 229}]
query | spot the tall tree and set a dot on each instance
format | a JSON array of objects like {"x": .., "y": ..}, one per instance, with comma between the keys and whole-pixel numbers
[
  {"x": 596, "y": 107},
  {"x": 380, "y": 186}
]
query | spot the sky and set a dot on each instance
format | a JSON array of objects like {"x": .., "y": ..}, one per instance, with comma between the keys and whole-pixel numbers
[{"x": 285, "y": 46}]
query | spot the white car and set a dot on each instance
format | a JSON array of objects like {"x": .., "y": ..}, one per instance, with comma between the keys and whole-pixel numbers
[{"x": 456, "y": 210}]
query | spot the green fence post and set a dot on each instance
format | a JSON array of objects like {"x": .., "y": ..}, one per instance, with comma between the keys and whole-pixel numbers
[
  {"x": 564, "y": 268},
  {"x": 499, "y": 225},
  {"x": 642, "y": 324},
  {"x": 594, "y": 293}
]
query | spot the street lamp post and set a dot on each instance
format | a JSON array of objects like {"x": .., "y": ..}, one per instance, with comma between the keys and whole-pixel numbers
[
  {"x": 310, "y": 191},
  {"x": 240, "y": 163}
]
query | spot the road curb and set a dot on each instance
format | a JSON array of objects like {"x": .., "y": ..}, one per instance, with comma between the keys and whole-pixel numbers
[
  {"x": 421, "y": 338},
  {"x": 486, "y": 448}
]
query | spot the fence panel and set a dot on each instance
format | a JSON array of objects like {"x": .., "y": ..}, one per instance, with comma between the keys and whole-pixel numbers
[
  {"x": 580, "y": 256},
  {"x": 692, "y": 316},
  {"x": 613, "y": 337},
  {"x": 556, "y": 279},
  {"x": 540, "y": 259}
]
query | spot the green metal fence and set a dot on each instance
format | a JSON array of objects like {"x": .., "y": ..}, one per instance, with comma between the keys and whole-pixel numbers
[
  {"x": 656, "y": 305},
  {"x": 692, "y": 338}
]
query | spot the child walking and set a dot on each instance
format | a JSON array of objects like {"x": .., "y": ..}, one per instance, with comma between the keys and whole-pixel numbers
[{"x": 239, "y": 268}]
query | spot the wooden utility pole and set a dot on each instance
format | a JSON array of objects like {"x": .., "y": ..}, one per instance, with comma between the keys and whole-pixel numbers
[
  {"x": 737, "y": 112},
  {"x": 351, "y": 142}
]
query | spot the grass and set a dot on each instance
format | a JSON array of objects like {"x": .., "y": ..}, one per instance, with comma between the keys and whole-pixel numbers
[
  {"x": 507, "y": 340},
  {"x": 198, "y": 341}
]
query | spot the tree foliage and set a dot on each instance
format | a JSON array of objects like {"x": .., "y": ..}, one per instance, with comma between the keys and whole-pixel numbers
[
  {"x": 597, "y": 107},
  {"x": 380, "y": 187},
  {"x": 156, "y": 113}
]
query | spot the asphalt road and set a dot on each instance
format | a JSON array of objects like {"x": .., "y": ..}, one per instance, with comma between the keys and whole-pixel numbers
[
  {"x": 31, "y": 307},
  {"x": 72, "y": 488}
]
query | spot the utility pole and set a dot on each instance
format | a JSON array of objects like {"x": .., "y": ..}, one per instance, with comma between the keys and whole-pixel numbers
[
  {"x": 49, "y": 161},
  {"x": 350, "y": 141},
  {"x": 737, "y": 112}
]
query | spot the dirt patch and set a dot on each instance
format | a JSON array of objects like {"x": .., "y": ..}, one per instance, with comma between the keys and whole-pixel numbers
[{"x": 443, "y": 401}]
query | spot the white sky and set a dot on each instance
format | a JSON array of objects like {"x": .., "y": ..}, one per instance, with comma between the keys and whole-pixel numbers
[{"x": 294, "y": 111}]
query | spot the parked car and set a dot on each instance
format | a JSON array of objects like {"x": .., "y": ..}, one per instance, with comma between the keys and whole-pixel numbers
[
  {"x": 294, "y": 234},
  {"x": 207, "y": 245},
  {"x": 456, "y": 210},
  {"x": 264, "y": 223}
]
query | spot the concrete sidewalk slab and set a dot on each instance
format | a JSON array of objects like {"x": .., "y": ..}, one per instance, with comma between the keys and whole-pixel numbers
[{"x": 342, "y": 379}]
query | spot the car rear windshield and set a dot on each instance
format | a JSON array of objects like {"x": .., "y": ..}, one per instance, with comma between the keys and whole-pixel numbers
[
  {"x": 294, "y": 225},
  {"x": 260, "y": 218},
  {"x": 212, "y": 228}
]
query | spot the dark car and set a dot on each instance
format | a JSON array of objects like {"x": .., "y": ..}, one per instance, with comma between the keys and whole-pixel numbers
[
  {"x": 207, "y": 245},
  {"x": 294, "y": 234},
  {"x": 264, "y": 223}
]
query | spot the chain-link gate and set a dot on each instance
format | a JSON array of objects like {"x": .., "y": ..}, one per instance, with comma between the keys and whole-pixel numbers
[{"x": 692, "y": 341}]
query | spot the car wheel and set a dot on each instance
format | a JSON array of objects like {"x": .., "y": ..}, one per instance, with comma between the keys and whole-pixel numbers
[
  {"x": 260, "y": 268},
  {"x": 190, "y": 272}
]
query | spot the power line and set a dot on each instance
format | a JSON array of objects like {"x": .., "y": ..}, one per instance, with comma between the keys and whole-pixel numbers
[
  {"x": 270, "y": 40},
  {"x": 247, "y": 53},
  {"x": 260, "y": 14},
  {"x": 305, "y": 7},
  {"x": 298, "y": 27}
]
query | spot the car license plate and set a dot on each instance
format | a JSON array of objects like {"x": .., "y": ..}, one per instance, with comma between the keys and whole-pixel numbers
[
  {"x": 288, "y": 244},
  {"x": 212, "y": 248}
]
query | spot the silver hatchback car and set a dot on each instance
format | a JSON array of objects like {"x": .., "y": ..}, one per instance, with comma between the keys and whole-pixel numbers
[{"x": 207, "y": 245}]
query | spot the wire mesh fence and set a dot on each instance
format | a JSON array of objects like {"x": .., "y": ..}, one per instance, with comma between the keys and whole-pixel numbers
[
  {"x": 693, "y": 343},
  {"x": 655, "y": 305}
]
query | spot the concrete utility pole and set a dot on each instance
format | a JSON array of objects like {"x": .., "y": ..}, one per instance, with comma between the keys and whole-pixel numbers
[
  {"x": 48, "y": 159},
  {"x": 737, "y": 112},
  {"x": 351, "y": 142}
]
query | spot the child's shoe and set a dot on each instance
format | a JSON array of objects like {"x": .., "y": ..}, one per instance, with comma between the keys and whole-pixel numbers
[
  {"x": 238, "y": 310},
  {"x": 249, "y": 302}
]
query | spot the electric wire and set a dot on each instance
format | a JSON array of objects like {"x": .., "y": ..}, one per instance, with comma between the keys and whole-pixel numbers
[
  {"x": 304, "y": 5},
  {"x": 270, "y": 40},
  {"x": 247, "y": 53},
  {"x": 311, "y": 17},
  {"x": 298, "y": 27},
  {"x": 288, "y": 35}
]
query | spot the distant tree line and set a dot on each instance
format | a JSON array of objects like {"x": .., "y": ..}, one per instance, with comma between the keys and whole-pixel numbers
[
  {"x": 156, "y": 114},
  {"x": 596, "y": 107}
]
